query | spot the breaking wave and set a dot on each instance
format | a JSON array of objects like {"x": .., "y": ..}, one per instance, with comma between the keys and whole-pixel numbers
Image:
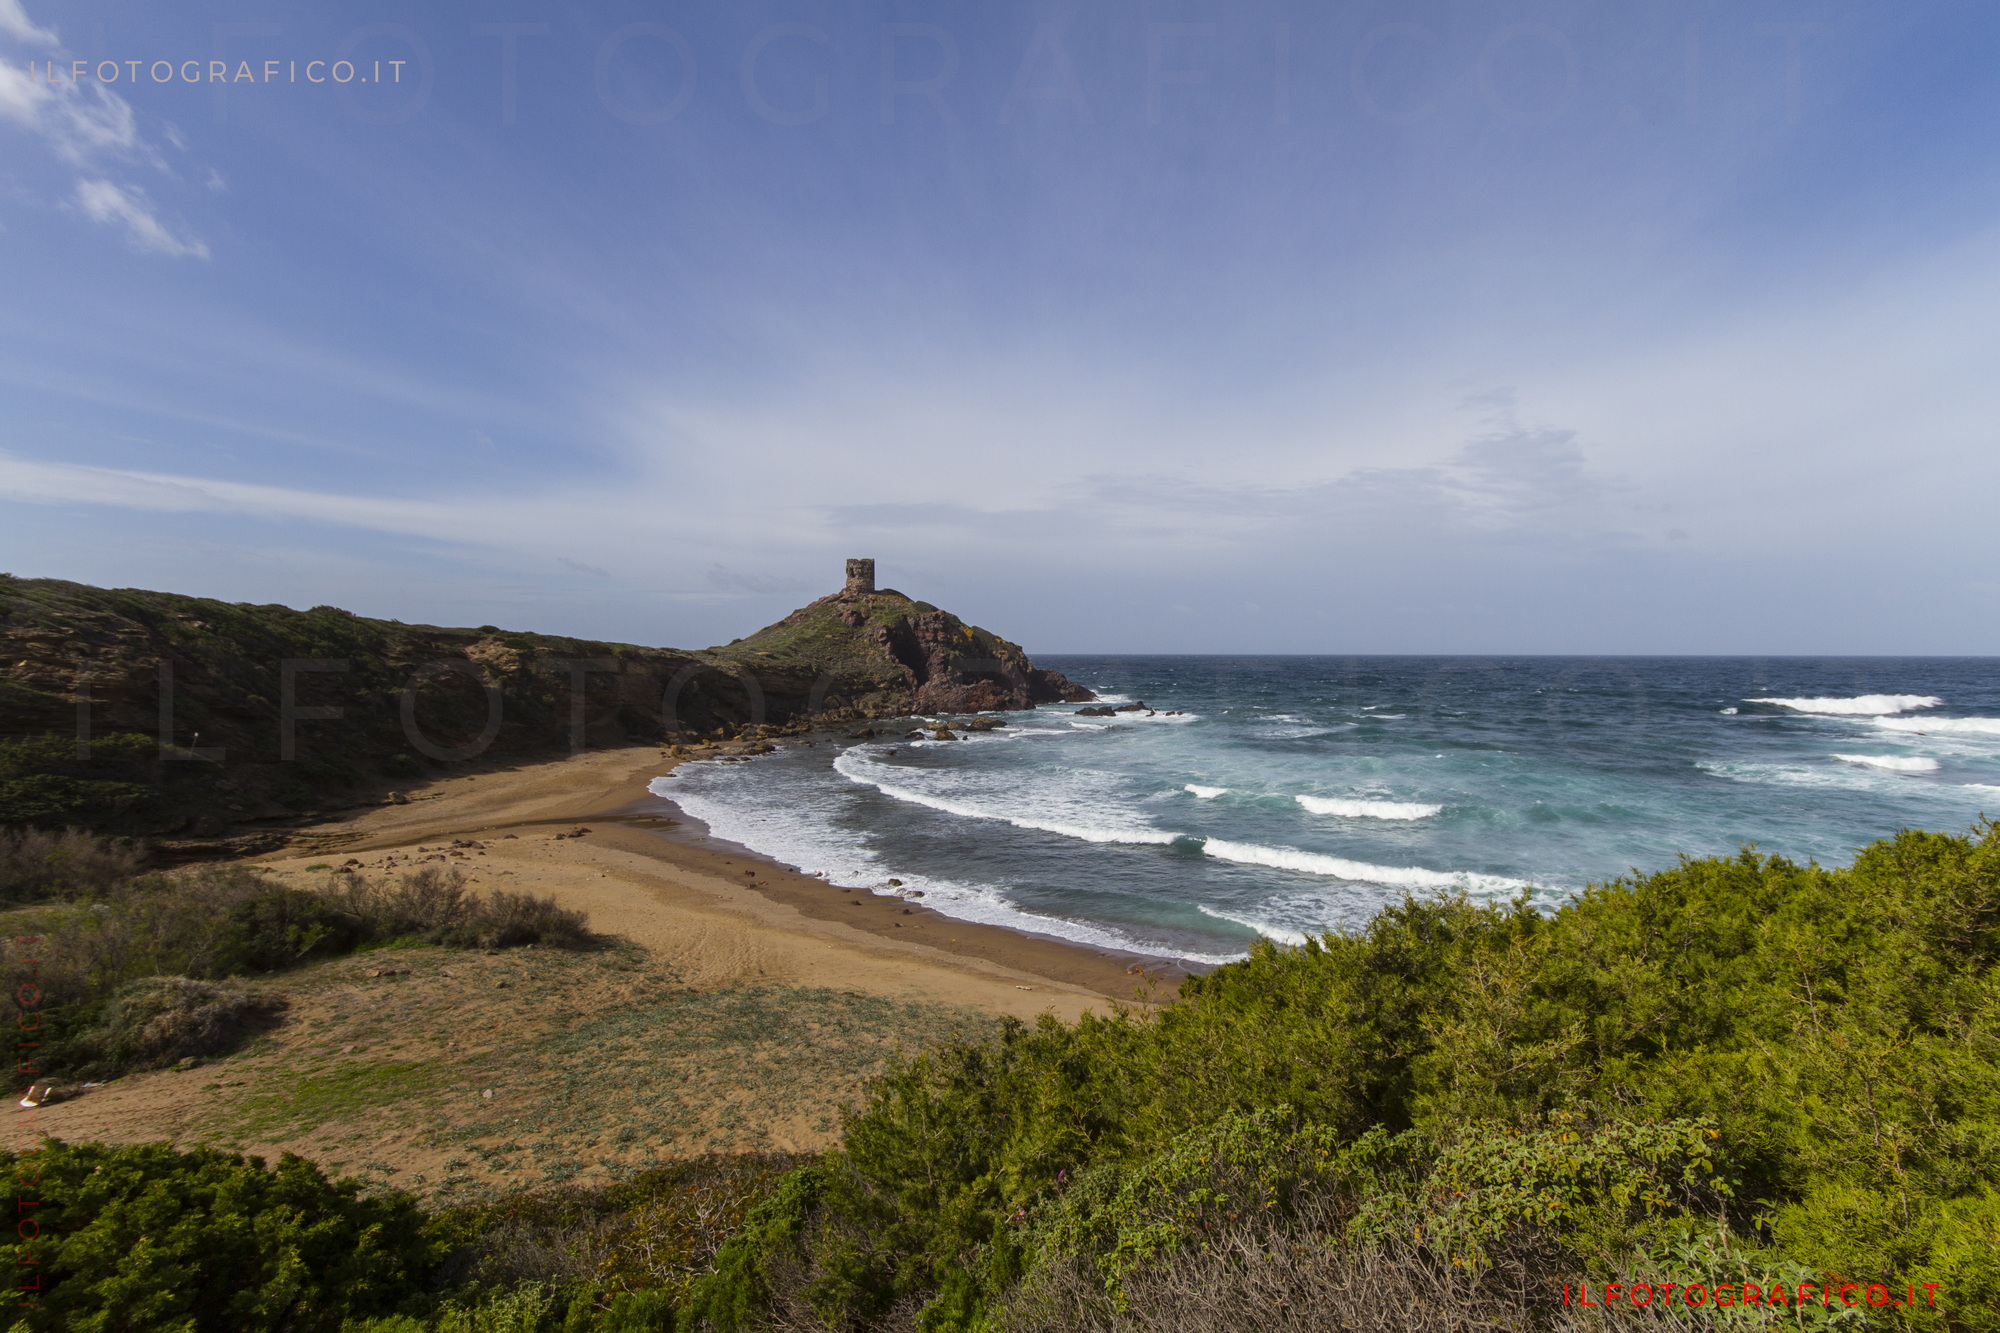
[
  {"x": 1351, "y": 809},
  {"x": 1892, "y": 763},
  {"x": 1101, "y": 833},
  {"x": 1860, "y": 705},
  {"x": 1314, "y": 863},
  {"x": 1282, "y": 934},
  {"x": 1205, "y": 793},
  {"x": 1948, "y": 726}
]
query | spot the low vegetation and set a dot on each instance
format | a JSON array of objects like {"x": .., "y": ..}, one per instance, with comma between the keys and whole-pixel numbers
[
  {"x": 1744, "y": 1077},
  {"x": 127, "y": 970}
]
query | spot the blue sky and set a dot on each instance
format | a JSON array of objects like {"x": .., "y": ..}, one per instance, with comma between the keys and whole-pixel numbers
[{"x": 1407, "y": 327}]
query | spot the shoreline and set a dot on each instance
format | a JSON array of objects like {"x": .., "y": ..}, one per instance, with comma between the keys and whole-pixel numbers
[{"x": 665, "y": 881}]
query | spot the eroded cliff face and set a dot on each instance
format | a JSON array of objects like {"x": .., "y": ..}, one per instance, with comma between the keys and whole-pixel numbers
[{"x": 886, "y": 654}]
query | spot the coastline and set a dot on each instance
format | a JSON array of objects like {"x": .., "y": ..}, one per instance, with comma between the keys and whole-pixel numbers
[{"x": 651, "y": 873}]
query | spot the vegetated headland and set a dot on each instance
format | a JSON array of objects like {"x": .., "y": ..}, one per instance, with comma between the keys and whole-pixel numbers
[
  {"x": 537, "y": 1081},
  {"x": 211, "y": 727}
]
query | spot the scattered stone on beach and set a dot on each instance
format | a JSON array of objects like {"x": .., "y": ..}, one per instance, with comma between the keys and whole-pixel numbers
[
  {"x": 984, "y": 724},
  {"x": 895, "y": 883},
  {"x": 1106, "y": 711},
  {"x": 943, "y": 734}
]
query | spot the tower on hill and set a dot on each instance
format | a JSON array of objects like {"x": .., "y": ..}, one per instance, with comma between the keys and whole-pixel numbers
[{"x": 860, "y": 578}]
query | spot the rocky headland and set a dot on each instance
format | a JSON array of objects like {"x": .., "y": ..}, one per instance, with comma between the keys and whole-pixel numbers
[{"x": 215, "y": 724}]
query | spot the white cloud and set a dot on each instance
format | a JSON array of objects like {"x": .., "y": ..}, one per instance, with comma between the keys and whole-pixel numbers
[
  {"x": 79, "y": 122},
  {"x": 127, "y": 206},
  {"x": 92, "y": 129},
  {"x": 14, "y": 22}
]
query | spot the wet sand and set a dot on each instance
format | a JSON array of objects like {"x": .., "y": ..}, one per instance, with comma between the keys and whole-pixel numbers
[{"x": 646, "y": 871}]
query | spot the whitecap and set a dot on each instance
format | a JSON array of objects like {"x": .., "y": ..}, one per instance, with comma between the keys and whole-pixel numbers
[
  {"x": 1107, "y": 832},
  {"x": 1730, "y": 712},
  {"x": 1861, "y": 705},
  {"x": 1839, "y": 777},
  {"x": 743, "y": 814},
  {"x": 1282, "y": 934},
  {"x": 1354, "y": 809},
  {"x": 1314, "y": 863},
  {"x": 1892, "y": 763},
  {"x": 1948, "y": 726},
  {"x": 1205, "y": 793}
]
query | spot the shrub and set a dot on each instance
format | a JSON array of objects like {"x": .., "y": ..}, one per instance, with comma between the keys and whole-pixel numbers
[
  {"x": 281, "y": 928},
  {"x": 36, "y": 864},
  {"x": 156, "y": 1021},
  {"x": 51, "y": 800},
  {"x": 222, "y": 921},
  {"x": 435, "y": 905},
  {"x": 1838, "y": 1032},
  {"x": 146, "y": 1237}
]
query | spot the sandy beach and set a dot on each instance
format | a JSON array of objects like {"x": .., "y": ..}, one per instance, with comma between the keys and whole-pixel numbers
[
  {"x": 645, "y": 872},
  {"x": 736, "y": 1005}
]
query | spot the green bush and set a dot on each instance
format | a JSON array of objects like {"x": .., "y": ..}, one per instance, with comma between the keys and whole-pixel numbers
[
  {"x": 1837, "y": 1030},
  {"x": 281, "y": 928},
  {"x": 145, "y": 1239},
  {"x": 212, "y": 923},
  {"x": 44, "y": 784}
]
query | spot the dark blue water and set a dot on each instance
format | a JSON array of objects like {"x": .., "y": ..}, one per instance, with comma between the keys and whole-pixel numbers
[{"x": 1292, "y": 795}]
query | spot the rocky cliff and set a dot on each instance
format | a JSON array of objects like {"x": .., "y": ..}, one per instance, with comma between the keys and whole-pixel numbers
[
  {"x": 888, "y": 654},
  {"x": 148, "y": 712}
]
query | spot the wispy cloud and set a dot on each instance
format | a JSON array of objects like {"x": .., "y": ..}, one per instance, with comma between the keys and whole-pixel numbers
[
  {"x": 14, "y": 22},
  {"x": 127, "y": 206},
  {"x": 93, "y": 131}
]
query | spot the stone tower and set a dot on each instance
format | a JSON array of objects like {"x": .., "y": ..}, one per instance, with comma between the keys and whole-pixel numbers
[{"x": 860, "y": 578}]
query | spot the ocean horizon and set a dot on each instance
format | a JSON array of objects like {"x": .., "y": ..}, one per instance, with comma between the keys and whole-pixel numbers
[{"x": 1284, "y": 796}]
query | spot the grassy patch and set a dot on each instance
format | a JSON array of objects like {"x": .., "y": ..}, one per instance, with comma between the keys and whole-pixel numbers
[{"x": 305, "y": 1103}]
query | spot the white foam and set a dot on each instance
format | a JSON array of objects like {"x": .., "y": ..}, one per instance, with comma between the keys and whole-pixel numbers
[
  {"x": 1893, "y": 763},
  {"x": 1314, "y": 863},
  {"x": 1108, "y": 832},
  {"x": 1947, "y": 726},
  {"x": 1205, "y": 793},
  {"x": 1281, "y": 934},
  {"x": 1839, "y": 777},
  {"x": 809, "y": 840},
  {"x": 1353, "y": 809},
  {"x": 1860, "y": 705},
  {"x": 1731, "y": 712}
]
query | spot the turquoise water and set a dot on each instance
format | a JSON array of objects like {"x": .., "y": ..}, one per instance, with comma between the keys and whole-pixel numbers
[{"x": 1295, "y": 795}]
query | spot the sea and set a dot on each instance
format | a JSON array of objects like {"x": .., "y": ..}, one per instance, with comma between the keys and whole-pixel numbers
[{"x": 1285, "y": 797}]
